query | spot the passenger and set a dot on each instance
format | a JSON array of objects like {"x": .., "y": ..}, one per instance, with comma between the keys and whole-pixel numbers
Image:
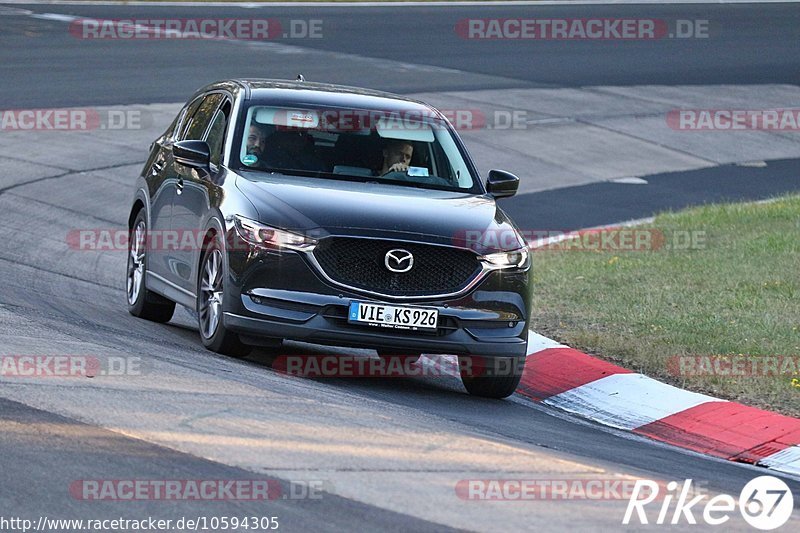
[{"x": 257, "y": 141}]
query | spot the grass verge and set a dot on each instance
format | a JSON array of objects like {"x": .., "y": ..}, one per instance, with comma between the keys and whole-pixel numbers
[{"x": 717, "y": 292}]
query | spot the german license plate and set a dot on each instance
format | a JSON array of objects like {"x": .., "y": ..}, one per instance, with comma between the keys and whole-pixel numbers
[{"x": 395, "y": 317}]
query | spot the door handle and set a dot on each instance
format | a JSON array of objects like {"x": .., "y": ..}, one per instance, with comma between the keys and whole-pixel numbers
[
  {"x": 157, "y": 168},
  {"x": 180, "y": 186}
]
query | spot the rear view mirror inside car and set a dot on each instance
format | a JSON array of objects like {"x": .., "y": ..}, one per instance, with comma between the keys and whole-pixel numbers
[
  {"x": 293, "y": 118},
  {"x": 398, "y": 127}
]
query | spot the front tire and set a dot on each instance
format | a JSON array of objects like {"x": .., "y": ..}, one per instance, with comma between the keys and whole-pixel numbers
[
  {"x": 496, "y": 377},
  {"x": 143, "y": 303},
  {"x": 210, "y": 295}
]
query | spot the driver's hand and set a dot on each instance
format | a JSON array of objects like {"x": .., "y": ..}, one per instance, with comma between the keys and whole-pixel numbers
[{"x": 398, "y": 167}]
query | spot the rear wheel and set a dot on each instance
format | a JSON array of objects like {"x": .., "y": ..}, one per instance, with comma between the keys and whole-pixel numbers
[
  {"x": 495, "y": 377},
  {"x": 143, "y": 303},
  {"x": 210, "y": 295}
]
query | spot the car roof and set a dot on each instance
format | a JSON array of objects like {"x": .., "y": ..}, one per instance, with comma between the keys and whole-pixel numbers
[{"x": 286, "y": 92}]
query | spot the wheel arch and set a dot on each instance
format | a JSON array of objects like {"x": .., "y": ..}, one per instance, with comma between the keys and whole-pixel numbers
[
  {"x": 139, "y": 203},
  {"x": 213, "y": 227}
]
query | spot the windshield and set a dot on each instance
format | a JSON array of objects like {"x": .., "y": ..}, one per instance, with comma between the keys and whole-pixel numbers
[{"x": 379, "y": 146}]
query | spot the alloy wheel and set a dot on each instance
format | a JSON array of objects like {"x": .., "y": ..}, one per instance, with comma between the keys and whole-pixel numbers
[
  {"x": 136, "y": 258},
  {"x": 211, "y": 294}
]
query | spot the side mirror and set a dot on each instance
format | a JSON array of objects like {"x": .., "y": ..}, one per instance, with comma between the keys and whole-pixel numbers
[
  {"x": 195, "y": 154},
  {"x": 502, "y": 184}
]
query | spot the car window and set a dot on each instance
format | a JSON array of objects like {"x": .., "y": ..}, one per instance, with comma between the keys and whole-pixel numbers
[
  {"x": 187, "y": 115},
  {"x": 199, "y": 121},
  {"x": 216, "y": 135},
  {"x": 407, "y": 150}
]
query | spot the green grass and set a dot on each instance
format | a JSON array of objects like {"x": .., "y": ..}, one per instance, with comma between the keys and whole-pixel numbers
[{"x": 739, "y": 293}]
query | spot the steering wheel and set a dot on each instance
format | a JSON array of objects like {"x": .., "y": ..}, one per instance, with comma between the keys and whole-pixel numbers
[{"x": 395, "y": 175}]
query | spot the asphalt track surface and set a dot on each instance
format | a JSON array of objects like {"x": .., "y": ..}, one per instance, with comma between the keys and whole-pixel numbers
[
  {"x": 389, "y": 451},
  {"x": 753, "y": 44},
  {"x": 604, "y": 203}
]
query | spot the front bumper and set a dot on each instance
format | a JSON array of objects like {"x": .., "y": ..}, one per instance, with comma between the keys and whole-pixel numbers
[{"x": 281, "y": 295}]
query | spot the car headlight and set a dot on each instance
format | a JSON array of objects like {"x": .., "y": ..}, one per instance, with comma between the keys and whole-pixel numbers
[
  {"x": 519, "y": 258},
  {"x": 268, "y": 237}
]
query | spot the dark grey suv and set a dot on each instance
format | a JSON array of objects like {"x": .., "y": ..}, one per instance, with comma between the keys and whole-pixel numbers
[{"x": 333, "y": 215}]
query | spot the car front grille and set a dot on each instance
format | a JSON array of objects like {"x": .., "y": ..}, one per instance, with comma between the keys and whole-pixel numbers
[{"x": 359, "y": 263}]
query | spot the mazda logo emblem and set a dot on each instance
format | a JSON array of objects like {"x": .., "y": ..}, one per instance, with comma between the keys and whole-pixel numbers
[{"x": 399, "y": 260}]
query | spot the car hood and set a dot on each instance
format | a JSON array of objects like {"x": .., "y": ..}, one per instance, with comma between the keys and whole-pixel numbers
[{"x": 322, "y": 207}]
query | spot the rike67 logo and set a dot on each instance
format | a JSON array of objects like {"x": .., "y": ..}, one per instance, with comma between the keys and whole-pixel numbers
[{"x": 766, "y": 503}]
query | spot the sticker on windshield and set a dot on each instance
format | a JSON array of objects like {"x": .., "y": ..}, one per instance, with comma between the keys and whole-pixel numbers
[
  {"x": 250, "y": 159},
  {"x": 418, "y": 171}
]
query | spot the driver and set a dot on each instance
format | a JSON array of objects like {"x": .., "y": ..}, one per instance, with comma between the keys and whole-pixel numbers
[{"x": 396, "y": 157}]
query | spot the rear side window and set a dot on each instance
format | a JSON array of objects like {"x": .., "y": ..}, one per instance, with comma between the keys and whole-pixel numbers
[
  {"x": 187, "y": 118},
  {"x": 198, "y": 123},
  {"x": 216, "y": 134}
]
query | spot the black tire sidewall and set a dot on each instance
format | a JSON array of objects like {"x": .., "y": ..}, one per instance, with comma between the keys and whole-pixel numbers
[{"x": 494, "y": 386}]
